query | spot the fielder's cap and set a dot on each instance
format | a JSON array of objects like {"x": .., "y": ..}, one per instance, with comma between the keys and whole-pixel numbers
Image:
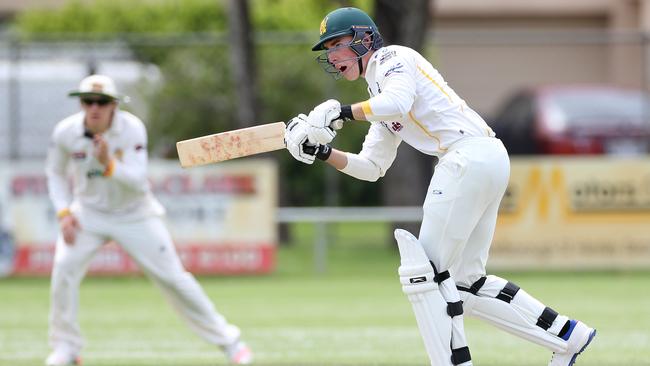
[{"x": 97, "y": 85}]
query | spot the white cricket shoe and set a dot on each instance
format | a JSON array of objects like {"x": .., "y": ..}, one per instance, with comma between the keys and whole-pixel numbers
[
  {"x": 63, "y": 355},
  {"x": 238, "y": 353},
  {"x": 578, "y": 338}
]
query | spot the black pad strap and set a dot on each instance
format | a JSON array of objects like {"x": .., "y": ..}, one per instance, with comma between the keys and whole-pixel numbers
[
  {"x": 547, "y": 318},
  {"x": 508, "y": 292},
  {"x": 455, "y": 308},
  {"x": 442, "y": 276},
  {"x": 475, "y": 287},
  {"x": 439, "y": 277},
  {"x": 460, "y": 355},
  {"x": 435, "y": 270}
]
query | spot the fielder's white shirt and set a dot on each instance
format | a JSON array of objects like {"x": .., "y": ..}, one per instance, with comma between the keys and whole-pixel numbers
[
  {"x": 126, "y": 192},
  {"x": 410, "y": 102}
]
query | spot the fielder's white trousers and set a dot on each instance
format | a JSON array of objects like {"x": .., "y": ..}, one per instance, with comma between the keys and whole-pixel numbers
[
  {"x": 461, "y": 206},
  {"x": 149, "y": 244}
]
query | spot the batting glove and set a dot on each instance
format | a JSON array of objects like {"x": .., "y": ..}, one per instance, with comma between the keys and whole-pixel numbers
[
  {"x": 320, "y": 119},
  {"x": 297, "y": 141}
]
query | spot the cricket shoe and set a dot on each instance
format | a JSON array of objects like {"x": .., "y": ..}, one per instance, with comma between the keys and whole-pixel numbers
[
  {"x": 63, "y": 355},
  {"x": 238, "y": 353},
  {"x": 578, "y": 338}
]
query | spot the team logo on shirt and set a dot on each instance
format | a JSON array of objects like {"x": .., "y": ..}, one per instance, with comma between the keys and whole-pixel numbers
[
  {"x": 396, "y": 126},
  {"x": 396, "y": 69},
  {"x": 387, "y": 56},
  {"x": 94, "y": 173}
]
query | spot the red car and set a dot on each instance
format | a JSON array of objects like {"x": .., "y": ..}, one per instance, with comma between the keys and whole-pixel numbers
[{"x": 576, "y": 119}]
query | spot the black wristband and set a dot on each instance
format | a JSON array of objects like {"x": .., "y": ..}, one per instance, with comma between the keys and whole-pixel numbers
[
  {"x": 346, "y": 112},
  {"x": 324, "y": 152}
]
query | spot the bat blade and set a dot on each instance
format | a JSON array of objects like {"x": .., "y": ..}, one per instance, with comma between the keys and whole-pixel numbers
[{"x": 231, "y": 144}]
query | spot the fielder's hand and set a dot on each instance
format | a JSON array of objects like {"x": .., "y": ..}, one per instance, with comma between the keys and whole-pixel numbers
[
  {"x": 69, "y": 227},
  {"x": 101, "y": 149},
  {"x": 297, "y": 142},
  {"x": 321, "y": 120}
]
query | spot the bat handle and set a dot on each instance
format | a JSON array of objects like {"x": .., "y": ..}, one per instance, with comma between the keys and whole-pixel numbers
[{"x": 337, "y": 124}]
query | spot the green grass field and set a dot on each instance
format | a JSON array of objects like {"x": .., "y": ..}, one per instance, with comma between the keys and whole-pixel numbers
[{"x": 355, "y": 314}]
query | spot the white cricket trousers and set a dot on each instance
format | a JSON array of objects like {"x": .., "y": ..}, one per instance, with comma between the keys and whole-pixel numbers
[
  {"x": 461, "y": 206},
  {"x": 460, "y": 214},
  {"x": 149, "y": 244}
]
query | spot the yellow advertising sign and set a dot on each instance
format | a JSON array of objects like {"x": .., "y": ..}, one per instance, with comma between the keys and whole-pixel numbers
[{"x": 575, "y": 213}]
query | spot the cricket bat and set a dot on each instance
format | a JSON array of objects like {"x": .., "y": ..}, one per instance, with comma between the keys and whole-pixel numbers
[{"x": 231, "y": 144}]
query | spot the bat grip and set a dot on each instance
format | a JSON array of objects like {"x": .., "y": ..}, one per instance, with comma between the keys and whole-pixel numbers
[{"x": 337, "y": 124}]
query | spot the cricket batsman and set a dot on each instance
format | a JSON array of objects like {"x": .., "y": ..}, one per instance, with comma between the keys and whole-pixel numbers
[
  {"x": 105, "y": 149},
  {"x": 443, "y": 270}
]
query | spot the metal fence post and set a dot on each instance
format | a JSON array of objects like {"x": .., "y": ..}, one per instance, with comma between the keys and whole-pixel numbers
[
  {"x": 320, "y": 247},
  {"x": 13, "y": 98}
]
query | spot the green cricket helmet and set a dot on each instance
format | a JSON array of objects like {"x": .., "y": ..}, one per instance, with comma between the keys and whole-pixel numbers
[{"x": 349, "y": 21}]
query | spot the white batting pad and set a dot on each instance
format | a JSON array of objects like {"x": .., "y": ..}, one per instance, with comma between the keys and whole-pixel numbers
[
  {"x": 450, "y": 293},
  {"x": 416, "y": 276},
  {"x": 518, "y": 317}
]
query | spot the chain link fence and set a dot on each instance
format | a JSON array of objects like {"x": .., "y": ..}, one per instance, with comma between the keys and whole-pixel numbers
[{"x": 482, "y": 66}]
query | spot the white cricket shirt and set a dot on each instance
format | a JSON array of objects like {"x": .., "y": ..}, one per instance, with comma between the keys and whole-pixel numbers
[
  {"x": 125, "y": 192},
  {"x": 410, "y": 102}
]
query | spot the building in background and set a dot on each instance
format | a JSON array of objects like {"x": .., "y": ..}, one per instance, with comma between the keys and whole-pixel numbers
[{"x": 489, "y": 49}]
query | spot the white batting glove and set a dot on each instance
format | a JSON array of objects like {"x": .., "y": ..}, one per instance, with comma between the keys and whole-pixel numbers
[
  {"x": 297, "y": 141},
  {"x": 320, "y": 120}
]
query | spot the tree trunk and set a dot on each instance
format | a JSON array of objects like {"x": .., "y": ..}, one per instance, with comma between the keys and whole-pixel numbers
[
  {"x": 242, "y": 58},
  {"x": 242, "y": 55},
  {"x": 405, "y": 23}
]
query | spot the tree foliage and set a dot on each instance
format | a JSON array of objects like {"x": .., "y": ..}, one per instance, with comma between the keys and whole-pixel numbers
[
  {"x": 109, "y": 18},
  {"x": 196, "y": 95}
]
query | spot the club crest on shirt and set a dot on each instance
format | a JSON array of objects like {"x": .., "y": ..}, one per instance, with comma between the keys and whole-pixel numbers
[
  {"x": 395, "y": 69},
  {"x": 396, "y": 126},
  {"x": 94, "y": 173}
]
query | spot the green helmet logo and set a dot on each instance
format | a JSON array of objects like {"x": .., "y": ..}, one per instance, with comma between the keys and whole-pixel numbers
[{"x": 347, "y": 21}]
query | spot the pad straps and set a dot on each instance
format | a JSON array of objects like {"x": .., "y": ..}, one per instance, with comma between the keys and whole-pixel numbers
[
  {"x": 475, "y": 287},
  {"x": 547, "y": 318},
  {"x": 453, "y": 308},
  {"x": 460, "y": 355},
  {"x": 508, "y": 293}
]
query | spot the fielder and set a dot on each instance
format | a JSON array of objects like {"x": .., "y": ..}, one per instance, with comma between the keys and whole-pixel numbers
[
  {"x": 105, "y": 149},
  {"x": 443, "y": 271}
]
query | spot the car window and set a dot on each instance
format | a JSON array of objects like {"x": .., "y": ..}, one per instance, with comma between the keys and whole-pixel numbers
[{"x": 579, "y": 108}]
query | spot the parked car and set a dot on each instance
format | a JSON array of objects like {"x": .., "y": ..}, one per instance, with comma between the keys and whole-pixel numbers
[{"x": 575, "y": 119}]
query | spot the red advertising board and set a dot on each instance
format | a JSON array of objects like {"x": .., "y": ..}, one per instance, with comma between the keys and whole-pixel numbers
[{"x": 222, "y": 218}]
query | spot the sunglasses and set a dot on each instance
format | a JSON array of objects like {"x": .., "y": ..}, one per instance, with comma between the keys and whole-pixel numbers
[{"x": 98, "y": 101}]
